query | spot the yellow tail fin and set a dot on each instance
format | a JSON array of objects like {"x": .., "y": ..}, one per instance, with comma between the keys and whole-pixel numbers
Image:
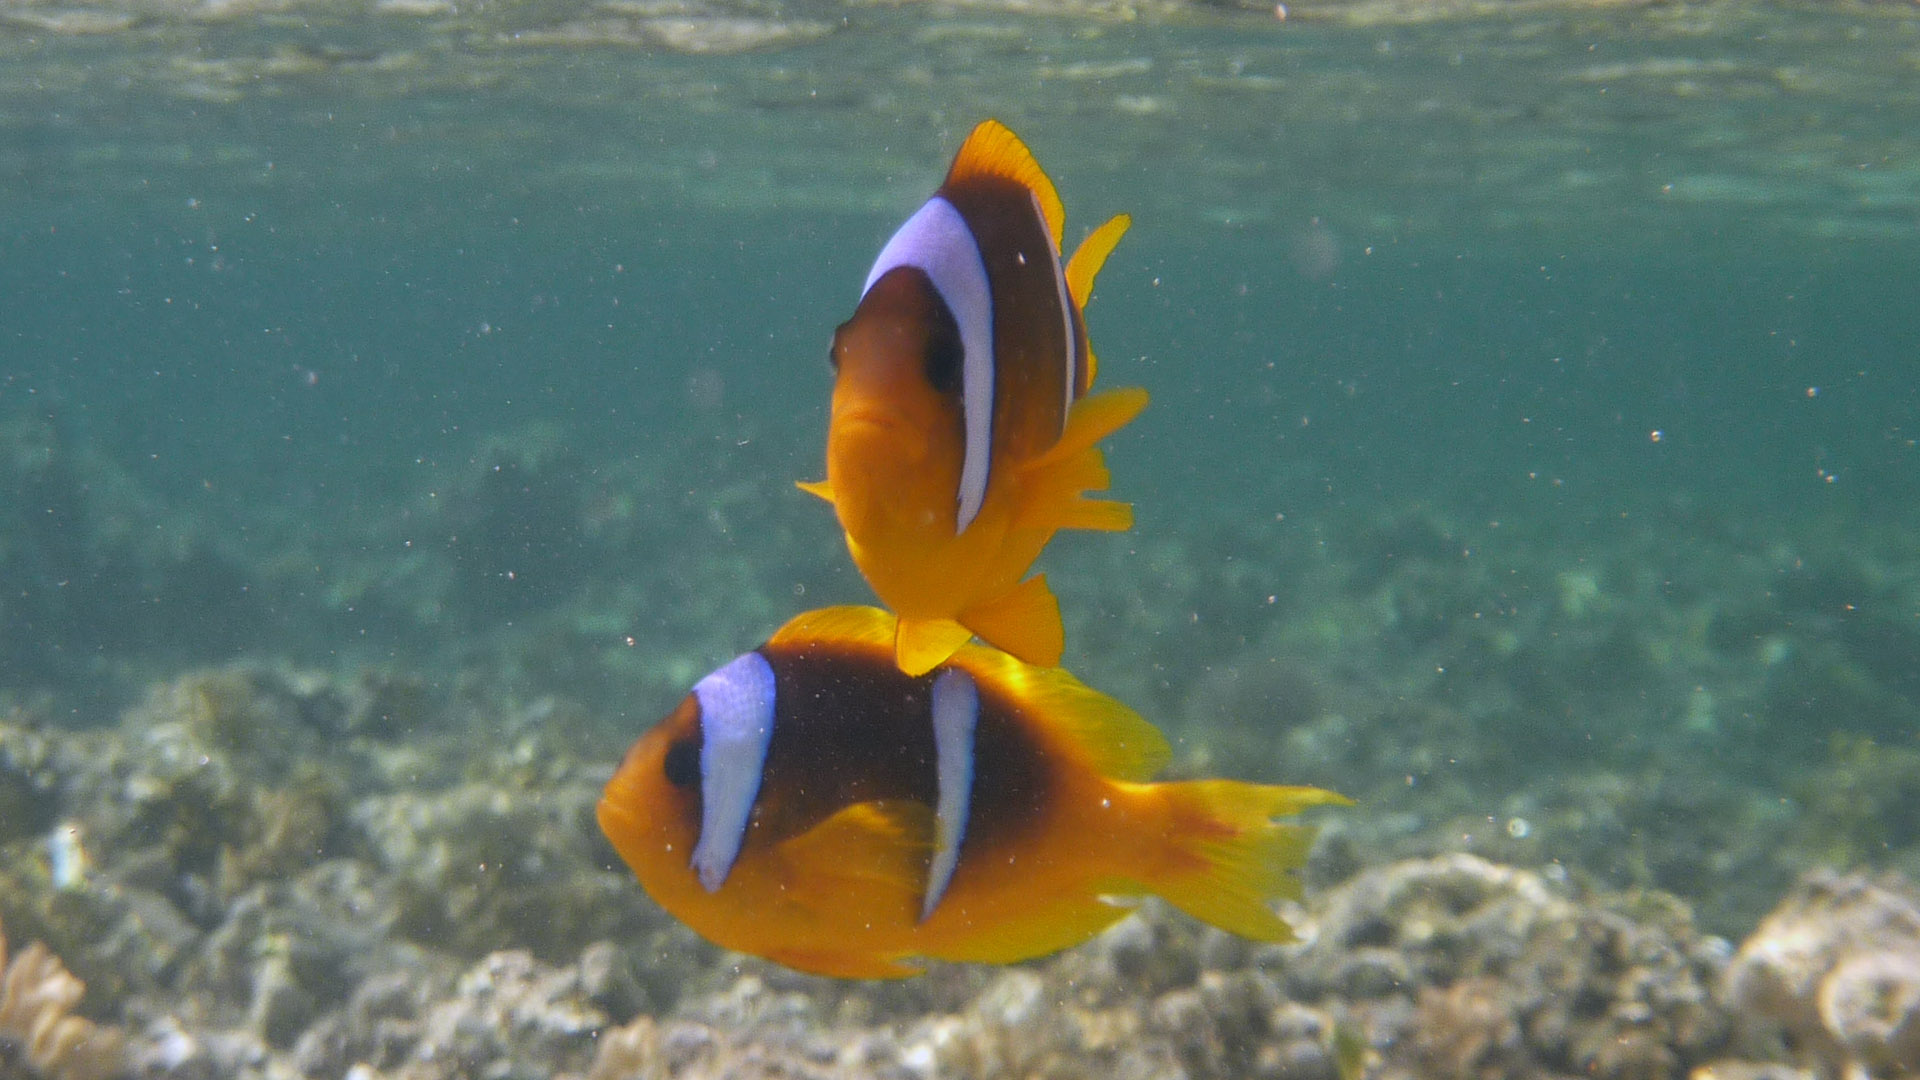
[
  {"x": 1024, "y": 621},
  {"x": 1231, "y": 859}
]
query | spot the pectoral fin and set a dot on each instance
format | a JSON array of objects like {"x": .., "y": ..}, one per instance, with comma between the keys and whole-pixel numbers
[
  {"x": 873, "y": 854},
  {"x": 1052, "y": 485},
  {"x": 866, "y": 864},
  {"x": 1091, "y": 419},
  {"x": 816, "y": 487},
  {"x": 1091, "y": 255}
]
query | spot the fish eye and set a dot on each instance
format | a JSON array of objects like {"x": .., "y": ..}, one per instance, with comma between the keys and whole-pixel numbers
[
  {"x": 683, "y": 763},
  {"x": 833, "y": 349},
  {"x": 945, "y": 354}
]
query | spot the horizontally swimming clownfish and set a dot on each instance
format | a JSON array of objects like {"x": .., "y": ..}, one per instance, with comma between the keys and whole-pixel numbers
[
  {"x": 962, "y": 435},
  {"x": 811, "y": 803}
]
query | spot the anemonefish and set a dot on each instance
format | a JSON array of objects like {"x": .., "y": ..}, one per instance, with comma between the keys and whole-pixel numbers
[
  {"x": 811, "y": 803},
  {"x": 962, "y": 432}
]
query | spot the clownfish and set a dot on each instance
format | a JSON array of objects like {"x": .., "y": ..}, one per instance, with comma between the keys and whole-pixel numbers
[
  {"x": 962, "y": 432},
  {"x": 811, "y": 803}
]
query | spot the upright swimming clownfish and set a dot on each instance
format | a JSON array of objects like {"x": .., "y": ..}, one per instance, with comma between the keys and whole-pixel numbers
[
  {"x": 811, "y": 803},
  {"x": 962, "y": 432}
]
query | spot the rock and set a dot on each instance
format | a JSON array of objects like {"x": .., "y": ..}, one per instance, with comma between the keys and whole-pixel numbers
[{"x": 1837, "y": 965}]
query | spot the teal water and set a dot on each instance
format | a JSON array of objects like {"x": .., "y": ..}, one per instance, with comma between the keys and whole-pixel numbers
[{"x": 1584, "y": 310}]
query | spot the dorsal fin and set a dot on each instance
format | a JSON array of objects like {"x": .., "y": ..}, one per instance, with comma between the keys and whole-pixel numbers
[
  {"x": 995, "y": 151},
  {"x": 850, "y": 623},
  {"x": 1115, "y": 740}
]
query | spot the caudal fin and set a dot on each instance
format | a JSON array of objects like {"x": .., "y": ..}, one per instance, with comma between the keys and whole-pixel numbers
[{"x": 1231, "y": 859}]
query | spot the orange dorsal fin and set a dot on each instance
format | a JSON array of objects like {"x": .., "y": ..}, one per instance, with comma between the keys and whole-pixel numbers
[
  {"x": 995, "y": 151},
  {"x": 1024, "y": 620},
  {"x": 847, "y": 624},
  {"x": 816, "y": 487},
  {"x": 1232, "y": 858},
  {"x": 1112, "y": 739},
  {"x": 924, "y": 644}
]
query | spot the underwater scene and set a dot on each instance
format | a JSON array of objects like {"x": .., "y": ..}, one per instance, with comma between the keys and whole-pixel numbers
[{"x": 1509, "y": 667}]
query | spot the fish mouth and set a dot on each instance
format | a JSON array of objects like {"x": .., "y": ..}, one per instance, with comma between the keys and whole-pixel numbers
[{"x": 870, "y": 420}]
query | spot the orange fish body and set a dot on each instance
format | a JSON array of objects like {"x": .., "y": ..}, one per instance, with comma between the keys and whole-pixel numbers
[
  {"x": 813, "y": 804},
  {"x": 962, "y": 432}
]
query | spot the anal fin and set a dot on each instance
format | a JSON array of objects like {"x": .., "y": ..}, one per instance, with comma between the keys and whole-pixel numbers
[
  {"x": 920, "y": 645},
  {"x": 1057, "y": 926},
  {"x": 1024, "y": 621}
]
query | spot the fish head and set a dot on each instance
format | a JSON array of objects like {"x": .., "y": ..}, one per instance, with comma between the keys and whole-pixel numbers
[
  {"x": 650, "y": 810},
  {"x": 897, "y": 372}
]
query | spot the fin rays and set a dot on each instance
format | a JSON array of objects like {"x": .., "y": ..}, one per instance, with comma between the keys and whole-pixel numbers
[
  {"x": 1024, "y": 621},
  {"x": 995, "y": 151},
  {"x": 1232, "y": 859}
]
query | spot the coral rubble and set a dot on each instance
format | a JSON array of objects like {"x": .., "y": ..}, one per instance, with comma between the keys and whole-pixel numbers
[
  {"x": 1450, "y": 967},
  {"x": 37, "y": 996}
]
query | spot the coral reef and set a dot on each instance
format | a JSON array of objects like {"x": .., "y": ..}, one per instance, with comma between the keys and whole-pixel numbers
[
  {"x": 37, "y": 1024},
  {"x": 1471, "y": 969},
  {"x": 1450, "y": 968},
  {"x": 271, "y": 873},
  {"x": 508, "y": 1015},
  {"x": 1837, "y": 965}
]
